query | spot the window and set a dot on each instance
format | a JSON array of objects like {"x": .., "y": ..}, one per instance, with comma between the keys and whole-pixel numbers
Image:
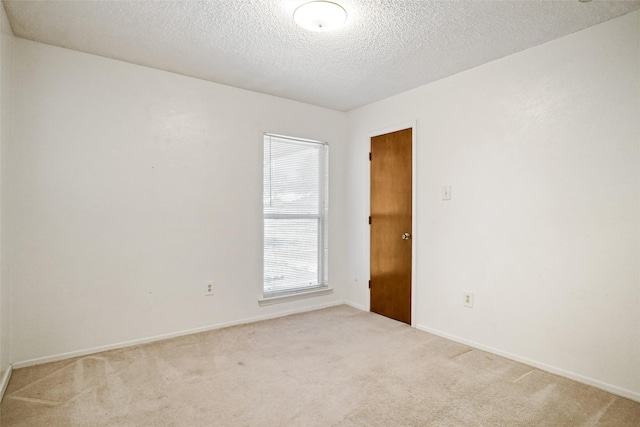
[{"x": 295, "y": 210}]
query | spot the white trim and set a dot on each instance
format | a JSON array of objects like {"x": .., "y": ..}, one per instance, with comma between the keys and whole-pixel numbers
[
  {"x": 93, "y": 350},
  {"x": 413, "y": 124},
  {"x": 356, "y": 306},
  {"x": 4, "y": 382},
  {"x": 628, "y": 394},
  {"x": 293, "y": 296}
]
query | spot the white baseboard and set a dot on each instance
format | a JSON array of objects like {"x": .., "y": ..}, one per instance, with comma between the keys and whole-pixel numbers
[
  {"x": 4, "y": 382},
  {"x": 93, "y": 350},
  {"x": 358, "y": 306},
  {"x": 628, "y": 394}
]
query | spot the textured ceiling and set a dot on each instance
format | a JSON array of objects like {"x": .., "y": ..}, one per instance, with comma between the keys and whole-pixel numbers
[{"x": 386, "y": 46}]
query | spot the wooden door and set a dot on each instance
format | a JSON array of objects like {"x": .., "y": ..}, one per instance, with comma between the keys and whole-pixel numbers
[{"x": 390, "y": 257}]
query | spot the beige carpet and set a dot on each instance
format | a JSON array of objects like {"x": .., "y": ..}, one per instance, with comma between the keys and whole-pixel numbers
[{"x": 333, "y": 367}]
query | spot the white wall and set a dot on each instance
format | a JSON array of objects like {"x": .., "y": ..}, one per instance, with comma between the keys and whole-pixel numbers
[
  {"x": 6, "y": 62},
  {"x": 130, "y": 188},
  {"x": 541, "y": 149}
]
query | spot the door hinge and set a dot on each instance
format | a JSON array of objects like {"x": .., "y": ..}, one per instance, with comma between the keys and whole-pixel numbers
[
  {"x": 369, "y": 284},
  {"x": 369, "y": 156},
  {"x": 369, "y": 220}
]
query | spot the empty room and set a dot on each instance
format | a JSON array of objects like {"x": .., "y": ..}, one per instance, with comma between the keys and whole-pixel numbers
[{"x": 320, "y": 213}]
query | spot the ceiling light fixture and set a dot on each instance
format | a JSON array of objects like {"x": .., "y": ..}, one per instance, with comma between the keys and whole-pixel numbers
[{"x": 320, "y": 16}]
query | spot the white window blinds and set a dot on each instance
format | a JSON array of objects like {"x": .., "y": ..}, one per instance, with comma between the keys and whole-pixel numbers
[{"x": 295, "y": 215}]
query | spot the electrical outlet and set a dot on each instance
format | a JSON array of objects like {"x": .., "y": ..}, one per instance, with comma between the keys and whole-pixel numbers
[
  {"x": 208, "y": 288},
  {"x": 468, "y": 299},
  {"x": 446, "y": 192}
]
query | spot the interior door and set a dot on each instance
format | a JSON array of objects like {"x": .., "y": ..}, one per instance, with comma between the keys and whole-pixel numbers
[{"x": 390, "y": 225}]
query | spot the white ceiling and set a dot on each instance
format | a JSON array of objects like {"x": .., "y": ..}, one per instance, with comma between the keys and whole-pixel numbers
[{"x": 386, "y": 46}]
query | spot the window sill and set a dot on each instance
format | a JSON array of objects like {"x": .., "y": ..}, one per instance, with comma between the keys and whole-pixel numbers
[{"x": 294, "y": 296}]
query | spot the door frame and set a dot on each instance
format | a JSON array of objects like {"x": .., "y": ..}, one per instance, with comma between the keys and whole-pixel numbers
[{"x": 414, "y": 229}]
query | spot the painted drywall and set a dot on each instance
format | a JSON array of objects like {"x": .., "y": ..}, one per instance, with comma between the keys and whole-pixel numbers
[
  {"x": 6, "y": 61},
  {"x": 131, "y": 187},
  {"x": 541, "y": 149}
]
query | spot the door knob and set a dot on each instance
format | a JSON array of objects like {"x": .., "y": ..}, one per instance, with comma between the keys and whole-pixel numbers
[{"x": 406, "y": 236}]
